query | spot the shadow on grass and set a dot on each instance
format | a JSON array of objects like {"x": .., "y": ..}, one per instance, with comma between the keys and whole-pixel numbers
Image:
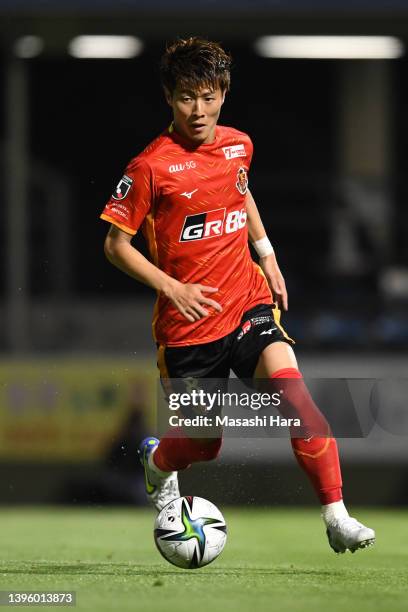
[{"x": 122, "y": 569}]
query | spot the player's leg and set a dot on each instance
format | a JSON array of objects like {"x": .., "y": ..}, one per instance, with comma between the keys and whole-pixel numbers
[
  {"x": 262, "y": 350},
  {"x": 176, "y": 451},
  {"x": 162, "y": 459},
  {"x": 317, "y": 453}
]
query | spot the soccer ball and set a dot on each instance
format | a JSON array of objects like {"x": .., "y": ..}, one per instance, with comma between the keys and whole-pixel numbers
[{"x": 190, "y": 532}]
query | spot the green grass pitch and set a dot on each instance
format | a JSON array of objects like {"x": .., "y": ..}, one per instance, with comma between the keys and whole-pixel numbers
[{"x": 275, "y": 559}]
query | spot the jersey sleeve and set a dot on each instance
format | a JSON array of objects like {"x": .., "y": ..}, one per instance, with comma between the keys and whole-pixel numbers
[
  {"x": 250, "y": 148},
  {"x": 132, "y": 198}
]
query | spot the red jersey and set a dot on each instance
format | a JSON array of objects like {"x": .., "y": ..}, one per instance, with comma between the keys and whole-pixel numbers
[{"x": 190, "y": 203}]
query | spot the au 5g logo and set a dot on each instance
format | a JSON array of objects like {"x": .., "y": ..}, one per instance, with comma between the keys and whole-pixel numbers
[
  {"x": 187, "y": 165},
  {"x": 212, "y": 224}
]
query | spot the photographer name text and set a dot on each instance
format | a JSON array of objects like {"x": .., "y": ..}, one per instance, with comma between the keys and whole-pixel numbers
[{"x": 226, "y": 421}]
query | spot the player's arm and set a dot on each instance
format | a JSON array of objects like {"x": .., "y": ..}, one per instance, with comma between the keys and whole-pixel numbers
[
  {"x": 188, "y": 298},
  {"x": 267, "y": 261}
]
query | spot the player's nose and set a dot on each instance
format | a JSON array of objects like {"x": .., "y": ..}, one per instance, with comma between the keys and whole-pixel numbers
[{"x": 198, "y": 108}]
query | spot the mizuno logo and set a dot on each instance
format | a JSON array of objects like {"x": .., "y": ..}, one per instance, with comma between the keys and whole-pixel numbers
[
  {"x": 188, "y": 194},
  {"x": 267, "y": 331}
]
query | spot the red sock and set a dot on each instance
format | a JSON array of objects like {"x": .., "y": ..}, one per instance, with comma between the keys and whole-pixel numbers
[
  {"x": 318, "y": 456},
  {"x": 176, "y": 452}
]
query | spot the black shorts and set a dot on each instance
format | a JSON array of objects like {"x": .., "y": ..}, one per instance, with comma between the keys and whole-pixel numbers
[{"x": 239, "y": 351}]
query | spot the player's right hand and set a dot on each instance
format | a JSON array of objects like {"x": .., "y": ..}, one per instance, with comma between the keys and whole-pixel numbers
[{"x": 189, "y": 298}]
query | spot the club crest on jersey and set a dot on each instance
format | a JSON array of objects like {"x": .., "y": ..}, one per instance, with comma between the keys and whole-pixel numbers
[
  {"x": 242, "y": 182},
  {"x": 122, "y": 188},
  {"x": 235, "y": 151}
]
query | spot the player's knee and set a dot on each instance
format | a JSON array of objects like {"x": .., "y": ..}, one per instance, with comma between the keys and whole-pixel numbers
[{"x": 208, "y": 448}]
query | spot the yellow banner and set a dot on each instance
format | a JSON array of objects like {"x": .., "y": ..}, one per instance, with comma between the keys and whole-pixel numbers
[{"x": 73, "y": 410}]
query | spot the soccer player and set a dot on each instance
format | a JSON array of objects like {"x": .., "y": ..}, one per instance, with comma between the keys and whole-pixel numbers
[{"x": 188, "y": 191}]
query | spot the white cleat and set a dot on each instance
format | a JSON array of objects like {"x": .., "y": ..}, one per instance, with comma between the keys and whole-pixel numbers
[
  {"x": 161, "y": 487},
  {"x": 348, "y": 534}
]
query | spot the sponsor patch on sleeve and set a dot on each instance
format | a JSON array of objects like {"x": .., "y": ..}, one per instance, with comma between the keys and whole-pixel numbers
[{"x": 122, "y": 188}]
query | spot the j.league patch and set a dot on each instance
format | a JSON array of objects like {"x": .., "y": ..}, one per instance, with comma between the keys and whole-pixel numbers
[{"x": 122, "y": 188}]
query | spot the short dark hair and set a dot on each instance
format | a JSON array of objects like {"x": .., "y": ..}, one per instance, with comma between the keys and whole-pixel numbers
[{"x": 195, "y": 62}]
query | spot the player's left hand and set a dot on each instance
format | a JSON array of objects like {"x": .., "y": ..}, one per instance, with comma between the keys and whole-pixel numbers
[{"x": 275, "y": 280}]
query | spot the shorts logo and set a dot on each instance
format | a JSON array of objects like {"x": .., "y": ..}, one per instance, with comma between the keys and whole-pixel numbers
[
  {"x": 212, "y": 224},
  {"x": 244, "y": 329},
  {"x": 235, "y": 151},
  {"x": 268, "y": 331},
  {"x": 261, "y": 320},
  {"x": 122, "y": 188},
  {"x": 242, "y": 180}
]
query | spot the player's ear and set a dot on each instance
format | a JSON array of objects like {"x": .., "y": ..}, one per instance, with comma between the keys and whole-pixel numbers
[
  {"x": 223, "y": 93},
  {"x": 168, "y": 96}
]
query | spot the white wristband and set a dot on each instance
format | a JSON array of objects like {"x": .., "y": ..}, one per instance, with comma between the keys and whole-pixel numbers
[{"x": 263, "y": 247}]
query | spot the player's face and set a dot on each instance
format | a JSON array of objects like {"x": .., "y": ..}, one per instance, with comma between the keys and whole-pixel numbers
[{"x": 196, "y": 113}]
